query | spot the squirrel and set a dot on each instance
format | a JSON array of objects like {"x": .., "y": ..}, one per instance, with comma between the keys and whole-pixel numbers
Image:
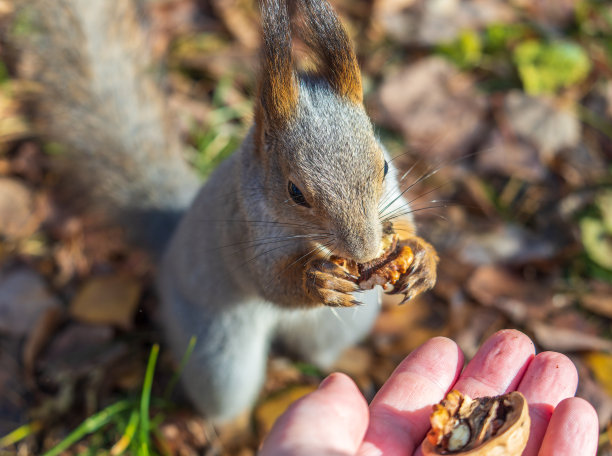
[{"x": 244, "y": 261}]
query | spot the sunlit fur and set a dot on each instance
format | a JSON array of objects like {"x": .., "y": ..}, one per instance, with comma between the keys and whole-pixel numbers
[{"x": 234, "y": 273}]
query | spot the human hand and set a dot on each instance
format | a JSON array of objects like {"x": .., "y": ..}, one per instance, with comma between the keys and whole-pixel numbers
[{"x": 335, "y": 419}]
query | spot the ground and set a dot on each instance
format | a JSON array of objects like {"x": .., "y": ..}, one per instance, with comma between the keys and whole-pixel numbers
[{"x": 501, "y": 110}]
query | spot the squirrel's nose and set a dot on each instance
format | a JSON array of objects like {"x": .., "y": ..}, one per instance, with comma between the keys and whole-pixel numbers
[{"x": 360, "y": 244}]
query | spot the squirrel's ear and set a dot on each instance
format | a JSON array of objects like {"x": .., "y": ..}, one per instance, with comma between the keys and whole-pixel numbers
[
  {"x": 327, "y": 38},
  {"x": 278, "y": 86}
]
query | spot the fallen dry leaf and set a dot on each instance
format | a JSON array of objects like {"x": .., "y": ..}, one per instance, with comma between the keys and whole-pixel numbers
[
  {"x": 356, "y": 362},
  {"x": 12, "y": 393},
  {"x": 240, "y": 19},
  {"x": 567, "y": 340},
  {"x": 39, "y": 336},
  {"x": 601, "y": 366},
  {"x": 542, "y": 122},
  {"x": 79, "y": 350},
  {"x": 19, "y": 214},
  {"x": 427, "y": 22},
  {"x": 274, "y": 406},
  {"x": 110, "y": 300},
  {"x": 556, "y": 13},
  {"x": 593, "y": 392},
  {"x": 599, "y": 303},
  {"x": 12, "y": 123},
  {"x": 24, "y": 298},
  {"x": 518, "y": 299},
  {"x": 184, "y": 434},
  {"x": 437, "y": 108},
  {"x": 511, "y": 157},
  {"x": 506, "y": 243}
]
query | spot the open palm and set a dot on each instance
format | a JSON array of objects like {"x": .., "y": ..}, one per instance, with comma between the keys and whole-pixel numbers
[{"x": 336, "y": 420}]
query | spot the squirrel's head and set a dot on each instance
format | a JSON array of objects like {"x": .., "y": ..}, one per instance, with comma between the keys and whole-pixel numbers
[{"x": 320, "y": 154}]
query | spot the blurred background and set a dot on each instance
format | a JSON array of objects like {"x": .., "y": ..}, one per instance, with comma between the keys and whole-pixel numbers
[{"x": 501, "y": 109}]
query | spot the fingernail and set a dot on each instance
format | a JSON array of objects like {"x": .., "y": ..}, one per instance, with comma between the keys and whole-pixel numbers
[{"x": 325, "y": 381}]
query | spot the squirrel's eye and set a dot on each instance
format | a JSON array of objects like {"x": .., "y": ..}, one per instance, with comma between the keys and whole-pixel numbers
[
  {"x": 296, "y": 195},
  {"x": 386, "y": 168}
]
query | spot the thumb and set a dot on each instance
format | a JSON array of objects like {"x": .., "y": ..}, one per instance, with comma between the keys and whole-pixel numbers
[{"x": 329, "y": 421}]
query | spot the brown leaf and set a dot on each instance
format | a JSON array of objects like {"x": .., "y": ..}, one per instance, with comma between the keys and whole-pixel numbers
[
  {"x": 471, "y": 332},
  {"x": 281, "y": 373},
  {"x": 507, "y": 243},
  {"x": 24, "y": 298},
  {"x": 601, "y": 366},
  {"x": 356, "y": 362},
  {"x": 184, "y": 434},
  {"x": 239, "y": 18},
  {"x": 12, "y": 124},
  {"x": 19, "y": 214},
  {"x": 6, "y": 7},
  {"x": 517, "y": 298},
  {"x": 402, "y": 328},
  {"x": 593, "y": 392},
  {"x": 599, "y": 303},
  {"x": 12, "y": 393},
  {"x": 539, "y": 120},
  {"x": 78, "y": 349},
  {"x": 550, "y": 12},
  {"x": 39, "y": 336},
  {"x": 511, "y": 157},
  {"x": 436, "y": 107},
  {"x": 108, "y": 300},
  {"x": 567, "y": 340},
  {"x": 428, "y": 22},
  {"x": 272, "y": 407}
]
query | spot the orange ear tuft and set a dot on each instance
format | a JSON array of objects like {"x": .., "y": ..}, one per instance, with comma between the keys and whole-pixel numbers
[
  {"x": 328, "y": 39},
  {"x": 278, "y": 87}
]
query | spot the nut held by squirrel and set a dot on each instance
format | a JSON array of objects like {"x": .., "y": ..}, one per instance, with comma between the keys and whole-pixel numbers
[
  {"x": 394, "y": 259},
  {"x": 485, "y": 426}
]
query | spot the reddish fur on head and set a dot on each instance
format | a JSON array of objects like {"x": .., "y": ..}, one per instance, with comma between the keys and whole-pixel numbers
[{"x": 326, "y": 37}]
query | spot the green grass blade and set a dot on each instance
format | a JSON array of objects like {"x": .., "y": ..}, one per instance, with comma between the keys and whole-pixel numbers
[
  {"x": 130, "y": 430},
  {"x": 177, "y": 374},
  {"x": 145, "y": 401},
  {"x": 20, "y": 433},
  {"x": 91, "y": 424}
]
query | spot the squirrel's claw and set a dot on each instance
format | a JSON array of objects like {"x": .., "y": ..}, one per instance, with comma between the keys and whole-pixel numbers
[
  {"x": 422, "y": 273},
  {"x": 329, "y": 284}
]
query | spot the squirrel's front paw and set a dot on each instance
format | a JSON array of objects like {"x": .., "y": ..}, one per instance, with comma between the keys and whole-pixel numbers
[
  {"x": 422, "y": 273},
  {"x": 329, "y": 284}
]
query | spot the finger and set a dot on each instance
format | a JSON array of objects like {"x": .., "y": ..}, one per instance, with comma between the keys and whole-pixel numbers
[
  {"x": 399, "y": 414},
  {"x": 550, "y": 378},
  {"x": 573, "y": 429},
  {"x": 498, "y": 365},
  {"x": 331, "y": 420}
]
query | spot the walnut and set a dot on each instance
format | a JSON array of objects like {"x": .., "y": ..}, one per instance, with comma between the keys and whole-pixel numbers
[
  {"x": 395, "y": 259},
  {"x": 486, "y": 426}
]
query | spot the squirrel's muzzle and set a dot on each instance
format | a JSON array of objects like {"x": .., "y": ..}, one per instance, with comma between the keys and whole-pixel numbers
[{"x": 359, "y": 243}]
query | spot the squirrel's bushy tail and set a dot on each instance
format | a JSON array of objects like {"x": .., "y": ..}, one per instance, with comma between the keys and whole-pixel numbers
[{"x": 99, "y": 100}]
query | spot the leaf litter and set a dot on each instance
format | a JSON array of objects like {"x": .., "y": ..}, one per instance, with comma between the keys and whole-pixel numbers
[{"x": 525, "y": 160}]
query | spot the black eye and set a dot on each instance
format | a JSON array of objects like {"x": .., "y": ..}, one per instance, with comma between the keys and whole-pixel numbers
[
  {"x": 296, "y": 195},
  {"x": 386, "y": 168}
]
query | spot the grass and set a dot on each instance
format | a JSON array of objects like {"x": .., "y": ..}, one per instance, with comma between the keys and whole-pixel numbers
[
  {"x": 227, "y": 126},
  {"x": 131, "y": 419}
]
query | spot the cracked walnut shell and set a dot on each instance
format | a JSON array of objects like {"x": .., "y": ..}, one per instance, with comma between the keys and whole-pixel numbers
[
  {"x": 394, "y": 260},
  {"x": 485, "y": 426}
]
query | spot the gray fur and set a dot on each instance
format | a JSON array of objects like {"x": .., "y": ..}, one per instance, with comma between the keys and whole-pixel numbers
[
  {"x": 102, "y": 103},
  {"x": 224, "y": 276},
  {"x": 236, "y": 304}
]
